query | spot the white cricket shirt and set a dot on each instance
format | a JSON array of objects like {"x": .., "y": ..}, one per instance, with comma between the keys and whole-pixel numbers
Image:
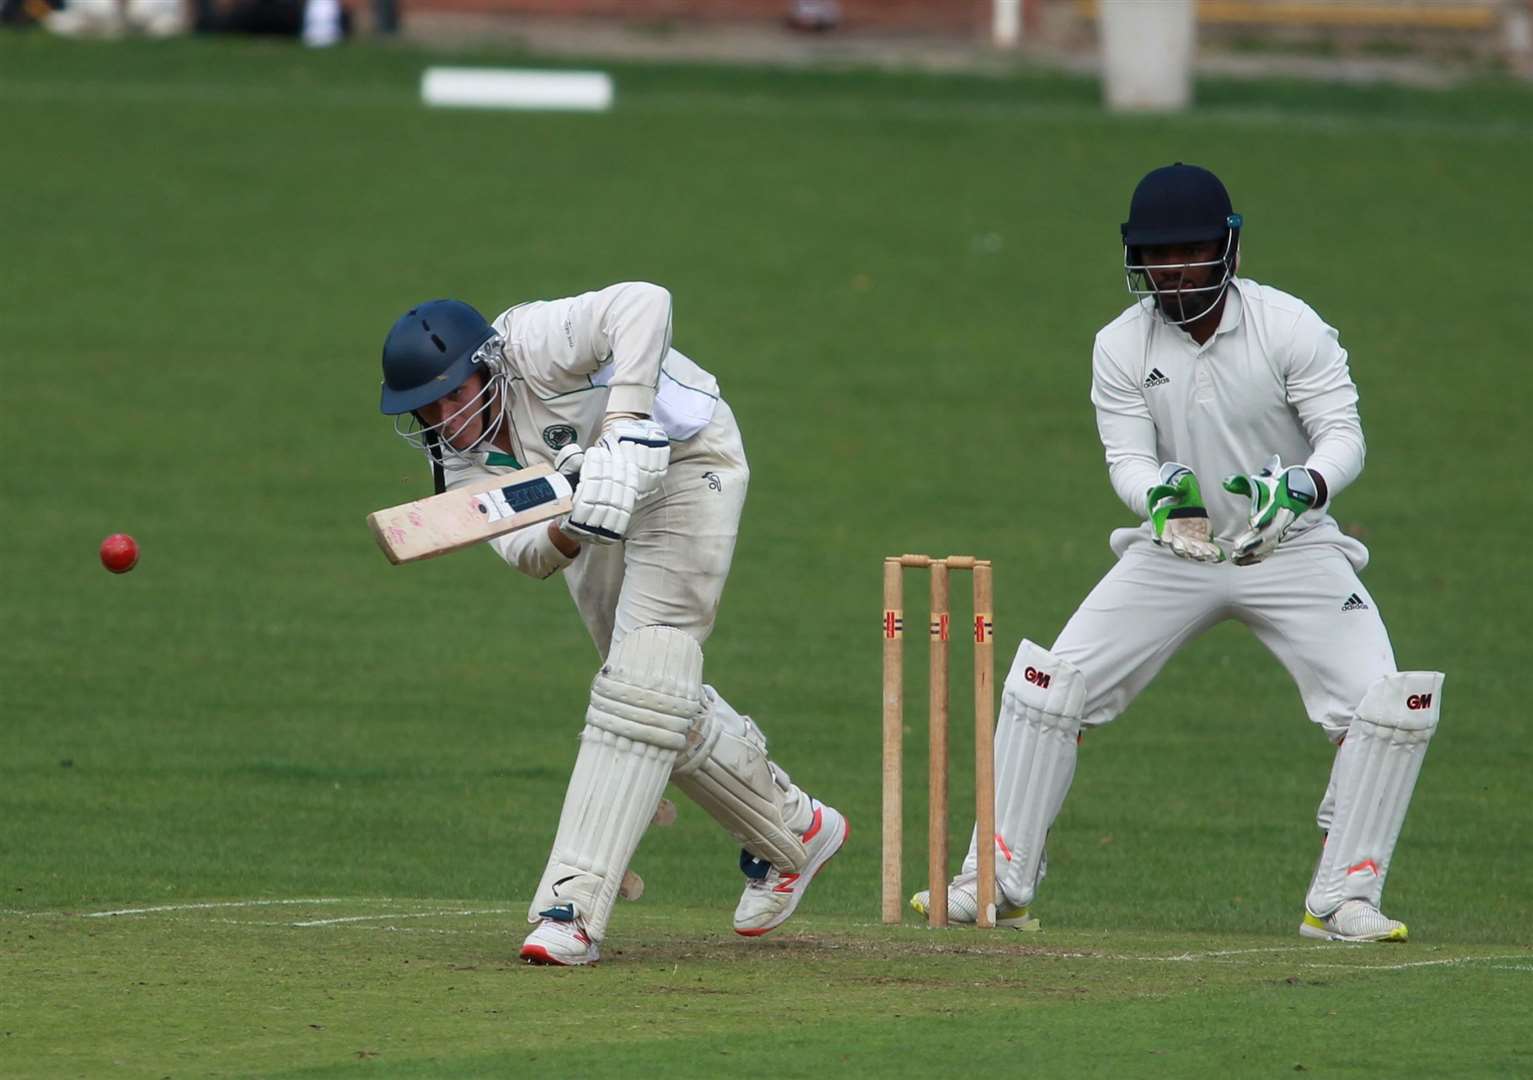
[
  {"x": 1273, "y": 379},
  {"x": 572, "y": 361}
]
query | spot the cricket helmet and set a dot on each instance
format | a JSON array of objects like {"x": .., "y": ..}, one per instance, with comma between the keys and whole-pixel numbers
[
  {"x": 429, "y": 352},
  {"x": 1175, "y": 205}
]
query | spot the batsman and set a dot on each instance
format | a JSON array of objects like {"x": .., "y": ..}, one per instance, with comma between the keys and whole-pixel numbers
[
  {"x": 1206, "y": 376},
  {"x": 591, "y": 385}
]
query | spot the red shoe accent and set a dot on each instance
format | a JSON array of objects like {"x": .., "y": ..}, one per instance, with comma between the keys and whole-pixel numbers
[
  {"x": 814, "y": 827},
  {"x": 786, "y": 883},
  {"x": 1366, "y": 864},
  {"x": 537, "y": 954},
  {"x": 846, "y": 836}
]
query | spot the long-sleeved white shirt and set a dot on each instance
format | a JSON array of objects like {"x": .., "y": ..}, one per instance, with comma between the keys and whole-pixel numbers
[
  {"x": 1273, "y": 379},
  {"x": 573, "y": 361}
]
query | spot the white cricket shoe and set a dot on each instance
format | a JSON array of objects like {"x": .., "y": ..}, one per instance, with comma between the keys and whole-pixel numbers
[
  {"x": 1355, "y": 920},
  {"x": 560, "y": 939},
  {"x": 963, "y": 905},
  {"x": 771, "y": 896}
]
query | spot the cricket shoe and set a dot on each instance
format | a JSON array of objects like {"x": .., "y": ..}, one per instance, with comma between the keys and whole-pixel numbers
[
  {"x": 963, "y": 905},
  {"x": 1355, "y": 920},
  {"x": 560, "y": 939},
  {"x": 770, "y": 895}
]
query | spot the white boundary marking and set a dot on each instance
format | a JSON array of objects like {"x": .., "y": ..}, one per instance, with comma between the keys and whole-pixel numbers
[
  {"x": 400, "y": 915},
  {"x": 198, "y": 907}
]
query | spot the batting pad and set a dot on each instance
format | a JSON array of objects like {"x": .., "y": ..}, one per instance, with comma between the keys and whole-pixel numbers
[
  {"x": 1035, "y": 745},
  {"x": 726, "y": 771},
  {"x": 644, "y": 700},
  {"x": 1373, "y": 777}
]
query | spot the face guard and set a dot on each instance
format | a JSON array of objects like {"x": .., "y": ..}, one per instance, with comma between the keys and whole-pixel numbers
[
  {"x": 489, "y": 404},
  {"x": 1179, "y": 302}
]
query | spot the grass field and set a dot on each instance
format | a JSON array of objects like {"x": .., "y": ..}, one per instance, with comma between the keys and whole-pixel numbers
[{"x": 269, "y": 806}]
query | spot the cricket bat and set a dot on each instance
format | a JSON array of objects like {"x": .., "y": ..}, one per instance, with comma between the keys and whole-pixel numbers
[{"x": 469, "y": 515}]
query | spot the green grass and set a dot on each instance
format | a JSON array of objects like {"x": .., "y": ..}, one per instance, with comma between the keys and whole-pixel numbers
[{"x": 896, "y": 279}]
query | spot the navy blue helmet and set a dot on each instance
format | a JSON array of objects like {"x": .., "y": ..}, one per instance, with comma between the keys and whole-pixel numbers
[
  {"x": 1178, "y": 205},
  {"x": 430, "y": 351}
]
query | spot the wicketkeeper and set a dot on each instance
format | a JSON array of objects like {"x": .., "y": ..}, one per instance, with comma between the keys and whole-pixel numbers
[
  {"x": 645, "y": 552},
  {"x": 1209, "y": 375}
]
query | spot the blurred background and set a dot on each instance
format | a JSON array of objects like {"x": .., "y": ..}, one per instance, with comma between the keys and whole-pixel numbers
[{"x": 1416, "y": 40}]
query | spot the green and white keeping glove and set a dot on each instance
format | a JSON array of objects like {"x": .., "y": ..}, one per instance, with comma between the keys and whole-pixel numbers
[
  {"x": 1178, "y": 516},
  {"x": 1278, "y": 496}
]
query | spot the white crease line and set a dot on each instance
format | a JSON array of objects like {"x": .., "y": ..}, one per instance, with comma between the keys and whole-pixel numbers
[
  {"x": 1421, "y": 964},
  {"x": 196, "y": 907},
  {"x": 399, "y": 915},
  {"x": 1221, "y": 953}
]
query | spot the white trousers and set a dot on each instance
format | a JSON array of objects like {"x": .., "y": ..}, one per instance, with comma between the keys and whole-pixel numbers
[
  {"x": 1304, "y": 603},
  {"x": 670, "y": 571}
]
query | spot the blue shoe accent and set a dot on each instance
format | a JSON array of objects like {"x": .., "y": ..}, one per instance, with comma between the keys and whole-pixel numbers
[
  {"x": 754, "y": 868},
  {"x": 562, "y": 913}
]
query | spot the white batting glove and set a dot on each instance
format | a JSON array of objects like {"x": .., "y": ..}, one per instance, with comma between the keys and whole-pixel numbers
[
  {"x": 604, "y": 498},
  {"x": 1278, "y": 496},
  {"x": 1178, "y": 516},
  {"x": 644, "y": 443}
]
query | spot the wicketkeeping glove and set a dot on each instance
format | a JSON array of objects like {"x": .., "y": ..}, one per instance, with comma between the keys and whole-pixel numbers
[
  {"x": 644, "y": 443},
  {"x": 1178, "y": 516},
  {"x": 604, "y": 498},
  {"x": 1278, "y": 496}
]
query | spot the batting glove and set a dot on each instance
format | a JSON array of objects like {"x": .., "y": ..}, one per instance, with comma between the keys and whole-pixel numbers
[
  {"x": 1178, "y": 516},
  {"x": 604, "y": 498},
  {"x": 1278, "y": 496},
  {"x": 644, "y": 443}
]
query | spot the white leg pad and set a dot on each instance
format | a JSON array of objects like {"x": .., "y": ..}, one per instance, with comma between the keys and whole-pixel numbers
[
  {"x": 725, "y": 770},
  {"x": 1370, "y": 787},
  {"x": 1035, "y": 746},
  {"x": 644, "y": 700}
]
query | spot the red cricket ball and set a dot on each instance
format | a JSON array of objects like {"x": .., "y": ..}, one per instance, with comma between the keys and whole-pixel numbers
[{"x": 119, "y": 553}]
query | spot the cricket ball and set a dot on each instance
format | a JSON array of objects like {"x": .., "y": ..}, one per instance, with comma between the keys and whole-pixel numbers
[{"x": 119, "y": 553}]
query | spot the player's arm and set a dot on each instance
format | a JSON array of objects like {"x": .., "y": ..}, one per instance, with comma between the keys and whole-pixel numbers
[
  {"x": 1318, "y": 386},
  {"x": 538, "y": 552},
  {"x": 629, "y": 326},
  {"x": 1166, "y": 494},
  {"x": 631, "y": 323},
  {"x": 1127, "y": 431}
]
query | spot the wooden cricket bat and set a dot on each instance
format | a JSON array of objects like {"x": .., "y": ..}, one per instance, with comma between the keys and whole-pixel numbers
[{"x": 434, "y": 526}]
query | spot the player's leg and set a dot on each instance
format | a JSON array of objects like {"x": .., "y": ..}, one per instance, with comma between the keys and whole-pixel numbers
[
  {"x": 678, "y": 557},
  {"x": 645, "y": 699},
  {"x": 786, "y": 836},
  {"x": 1372, "y": 780},
  {"x": 1307, "y": 605},
  {"x": 1145, "y": 608}
]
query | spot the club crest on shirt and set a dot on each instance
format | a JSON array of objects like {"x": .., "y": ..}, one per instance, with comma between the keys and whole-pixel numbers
[{"x": 558, "y": 436}]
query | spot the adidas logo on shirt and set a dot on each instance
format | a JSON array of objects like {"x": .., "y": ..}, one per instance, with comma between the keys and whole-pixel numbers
[
  {"x": 1155, "y": 378},
  {"x": 1354, "y": 603}
]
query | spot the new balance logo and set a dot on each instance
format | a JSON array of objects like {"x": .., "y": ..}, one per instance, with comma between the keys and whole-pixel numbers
[
  {"x": 1354, "y": 603},
  {"x": 1155, "y": 378}
]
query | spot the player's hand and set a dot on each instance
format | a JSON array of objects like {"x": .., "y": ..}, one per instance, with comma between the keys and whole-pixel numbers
[
  {"x": 568, "y": 461},
  {"x": 604, "y": 498},
  {"x": 1278, "y": 496},
  {"x": 644, "y": 443},
  {"x": 1178, "y": 516}
]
